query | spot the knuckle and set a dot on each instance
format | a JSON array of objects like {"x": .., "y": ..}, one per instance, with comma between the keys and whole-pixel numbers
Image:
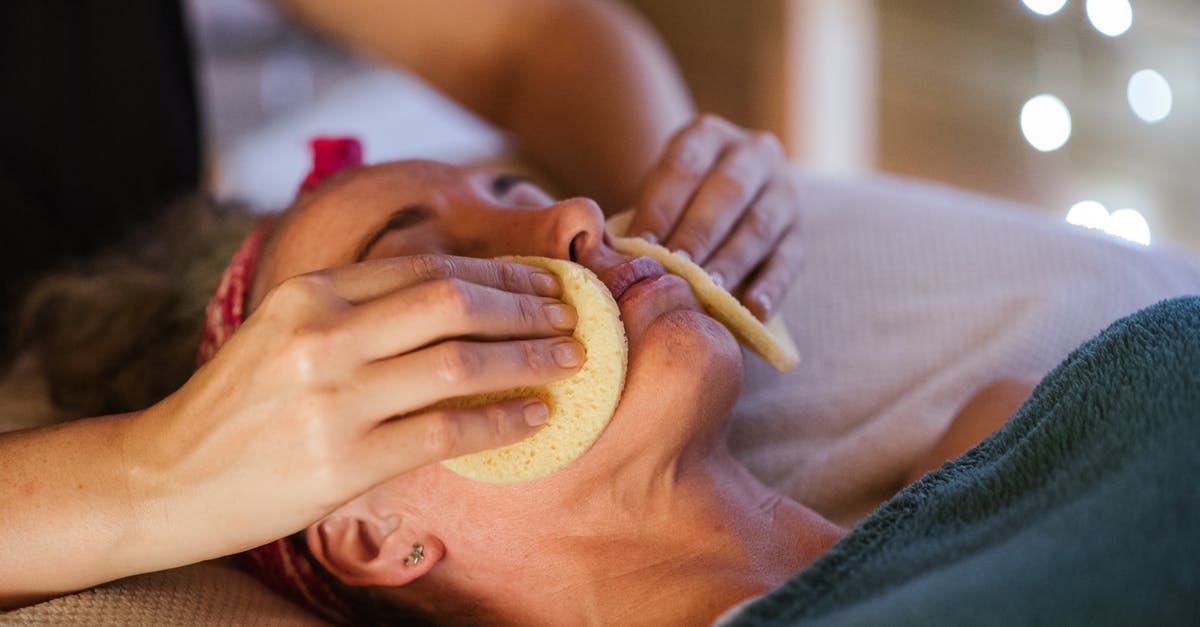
[
  {"x": 442, "y": 434},
  {"x": 731, "y": 183},
  {"x": 499, "y": 423},
  {"x": 457, "y": 362},
  {"x": 684, "y": 164},
  {"x": 427, "y": 267},
  {"x": 530, "y": 313},
  {"x": 531, "y": 356},
  {"x": 654, "y": 213},
  {"x": 298, "y": 293},
  {"x": 760, "y": 226},
  {"x": 686, "y": 161},
  {"x": 510, "y": 276},
  {"x": 694, "y": 239},
  {"x": 708, "y": 122},
  {"x": 454, "y": 297},
  {"x": 305, "y": 351},
  {"x": 767, "y": 142}
]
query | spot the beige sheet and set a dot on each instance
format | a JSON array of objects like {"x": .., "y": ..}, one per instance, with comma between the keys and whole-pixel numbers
[
  {"x": 911, "y": 298},
  {"x": 206, "y": 594}
]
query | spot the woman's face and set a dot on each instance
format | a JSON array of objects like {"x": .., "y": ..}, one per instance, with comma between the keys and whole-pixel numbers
[{"x": 684, "y": 367}]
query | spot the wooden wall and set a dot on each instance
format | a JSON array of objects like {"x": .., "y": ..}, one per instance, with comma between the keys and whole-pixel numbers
[{"x": 940, "y": 95}]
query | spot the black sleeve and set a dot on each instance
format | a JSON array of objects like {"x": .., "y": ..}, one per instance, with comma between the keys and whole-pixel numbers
[{"x": 98, "y": 123}]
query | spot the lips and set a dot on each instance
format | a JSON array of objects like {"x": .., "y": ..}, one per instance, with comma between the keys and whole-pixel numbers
[{"x": 625, "y": 275}]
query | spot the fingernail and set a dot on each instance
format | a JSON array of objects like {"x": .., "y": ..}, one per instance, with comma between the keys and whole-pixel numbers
[
  {"x": 568, "y": 354},
  {"x": 562, "y": 317},
  {"x": 649, "y": 237},
  {"x": 718, "y": 279},
  {"x": 764, "y": 301},
  {"x": 536, "y": 413},
  {"x": 683, "y": 253},
  {"x": 545, "y": 284}
]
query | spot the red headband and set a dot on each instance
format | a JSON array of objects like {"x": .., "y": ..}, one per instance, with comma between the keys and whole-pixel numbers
[{"x": 281, "y": 565}]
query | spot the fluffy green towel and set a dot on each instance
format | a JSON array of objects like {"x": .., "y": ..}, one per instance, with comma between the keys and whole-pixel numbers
[{"x": 1083, "y": 510}]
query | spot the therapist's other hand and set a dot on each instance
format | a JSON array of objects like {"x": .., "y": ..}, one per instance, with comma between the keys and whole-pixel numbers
[
  {"x": 325, "y": 391},
  {"x": 726, "y": 197}
]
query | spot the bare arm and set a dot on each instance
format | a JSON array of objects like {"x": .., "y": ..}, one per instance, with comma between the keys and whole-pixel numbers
[
  {"x": 585, "y": 86},
  {"x": 293, "y": 417},
  {"x": 596, "y": 101},
  {"x": 983, "y": 414},
  {"x": 68, "y": 520}
]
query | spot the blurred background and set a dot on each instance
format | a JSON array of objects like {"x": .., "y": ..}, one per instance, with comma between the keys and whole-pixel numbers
[
  {"x": 1051, "y": 102},
  {"x": 1087, "y": 110}
]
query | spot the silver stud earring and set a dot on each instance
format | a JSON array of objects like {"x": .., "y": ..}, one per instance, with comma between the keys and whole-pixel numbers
[{"x": 415, "y": 556}]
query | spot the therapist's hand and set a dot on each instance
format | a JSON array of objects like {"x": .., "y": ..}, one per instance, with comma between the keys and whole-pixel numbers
[
  {"x": 727, "y": 197},
  {"x": 325, "y": 392}
]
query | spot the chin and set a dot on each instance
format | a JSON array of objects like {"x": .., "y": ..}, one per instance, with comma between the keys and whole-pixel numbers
[
  {"x": 684, "y": 362},
  {"x": 686, "y": 334}
]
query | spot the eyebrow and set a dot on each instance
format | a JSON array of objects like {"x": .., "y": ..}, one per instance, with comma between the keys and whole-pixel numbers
[{"x": 405, "y": 218}]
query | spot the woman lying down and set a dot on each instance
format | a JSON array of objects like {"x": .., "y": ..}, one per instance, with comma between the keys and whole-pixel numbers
[{"x": 1080, "y": 509}]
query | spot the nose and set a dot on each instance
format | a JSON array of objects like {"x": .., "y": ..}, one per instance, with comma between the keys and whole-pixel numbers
[{"x": 576, "y": 229}]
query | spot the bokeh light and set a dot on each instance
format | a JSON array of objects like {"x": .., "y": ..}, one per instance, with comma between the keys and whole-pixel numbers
[
  {"x": 1046, "y": 122},
  {"x": 1149, "y": 96},
  {"x": 1110, "y": 17},
  {"x": 1045, "y": 7},
  {"x": 1129, "y": 224},
  {"x": 1088, "y": 213}
]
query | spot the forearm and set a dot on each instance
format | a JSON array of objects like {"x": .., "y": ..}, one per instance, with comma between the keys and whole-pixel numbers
[
  {"x": 594, "y": 101},
  {"x": 69, "y": 521},
  {"x": 585, "y": 86}
]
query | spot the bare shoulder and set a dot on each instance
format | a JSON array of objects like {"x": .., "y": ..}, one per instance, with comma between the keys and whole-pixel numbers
[{"x": 985, "y": 412}]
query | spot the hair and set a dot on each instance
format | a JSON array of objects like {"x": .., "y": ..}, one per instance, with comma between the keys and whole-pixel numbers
[
  {"x": 447, "y": 608},
  {"x": 118, "y": 331}
]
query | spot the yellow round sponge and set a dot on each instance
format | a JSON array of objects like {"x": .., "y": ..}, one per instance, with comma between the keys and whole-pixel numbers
[
  {"x": 771, "y": 341},
  {"x": 580, "y": 406}
]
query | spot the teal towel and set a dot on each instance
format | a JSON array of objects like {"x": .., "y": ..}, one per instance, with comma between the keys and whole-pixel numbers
[{"x": 1083, "y": 510}]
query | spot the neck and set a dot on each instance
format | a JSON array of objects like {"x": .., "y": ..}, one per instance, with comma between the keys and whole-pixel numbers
[{"x": 715, "y": 536}]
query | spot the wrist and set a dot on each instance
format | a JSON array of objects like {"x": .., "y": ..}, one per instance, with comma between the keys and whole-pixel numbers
[{"x": 148, "y": 460}]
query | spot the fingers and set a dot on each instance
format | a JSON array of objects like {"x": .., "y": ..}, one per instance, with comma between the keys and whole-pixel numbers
[
  {"x": 726, "y": 192},
  {"x": 372, "y": 279},
  {"x": 756, "y": 235},
  {"x": 768, "y": 287},
  {"x": 673, "y": 182},
  {"x": 430, "y": 312},
  {"x": 399, "y": 445},
  {"x": 725, "y": 196},
  {"x": 728, "y": 189},
  {"x": 403, "y": 384}
]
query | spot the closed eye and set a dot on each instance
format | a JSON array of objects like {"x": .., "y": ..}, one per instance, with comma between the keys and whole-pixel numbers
[{"x": 407, "y": 217}]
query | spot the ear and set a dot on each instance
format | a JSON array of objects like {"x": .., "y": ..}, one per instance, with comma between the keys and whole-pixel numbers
[{"x": 364, "y": 550}]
